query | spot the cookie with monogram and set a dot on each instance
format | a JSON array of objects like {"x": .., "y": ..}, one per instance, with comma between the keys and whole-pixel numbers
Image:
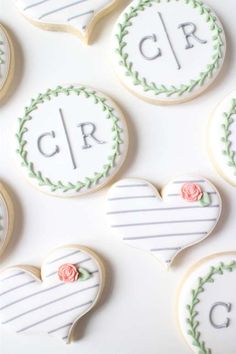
[
  {"x": 206, "y": 305},
  {"x": 222, "y": 138},
  {"x": 52, "y": 300},
  {"x": 78, "y": 17},
  {"x": 6, "y": 218},
  {"x": 6, "y": 62},
  {"x": 168, "y": 51},
  {"x": 163, "y": 223},
  {"x": 71, "y": 140}
]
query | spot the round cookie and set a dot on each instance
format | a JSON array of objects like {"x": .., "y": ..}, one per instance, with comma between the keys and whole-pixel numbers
[
  {"x": 6, "y": 218},
  {"x": 222, "y": 138},
  {"x": 168, "y": 51},
  {"x": 206, "y": 305},
  {"x": 53, "y": 300},
  {"x": 71, "y": 140},
  {"x": 6, "y": 61},
  {"x": 78, "y": 17},
  {"x": 163, "y": 224}
]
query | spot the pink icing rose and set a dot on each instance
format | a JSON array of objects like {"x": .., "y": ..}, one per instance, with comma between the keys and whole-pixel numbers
[
  {"x": 191, "y": 192},
  {"x": 68, "y": 273}
]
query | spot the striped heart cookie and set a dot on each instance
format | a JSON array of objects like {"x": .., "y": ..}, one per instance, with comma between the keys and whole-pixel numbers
[
  {"x": 78, "y": 17},
  {"x": 6, "y": 218},
  {"x": 6, "y": 61},
  {"x": 184, "y": 213},
  {"x": 53, "y": 300}
]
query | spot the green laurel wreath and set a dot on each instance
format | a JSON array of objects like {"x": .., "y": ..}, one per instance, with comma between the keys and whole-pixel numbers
[
  {"x": 162, "y": 89},
  {"x": 192, "y": 321},
  {"x": 228, "y": 121},
  {"x": 88, "y": 181},
  {"x": 1, "y": 53}
]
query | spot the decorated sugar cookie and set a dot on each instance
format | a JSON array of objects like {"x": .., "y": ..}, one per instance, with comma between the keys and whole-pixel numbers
[
  {"x": 206, "y": 305},
  {"x": 51, "y": 301},
  {"x": 71, "y": 140},
  {"x": 6, "y": 218},
  {"x": 222, "y": 138},
  {"x": 168, "y": 51},
  {"x": 163, "y": 224},
  {"x": 78, "y": 17},
  {"x": 6, "y": 61}
]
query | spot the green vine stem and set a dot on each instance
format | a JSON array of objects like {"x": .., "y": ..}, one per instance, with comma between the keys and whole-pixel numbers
[
  {"x": 131, "y": 72},
  {"x": 1, "y": 53},
  {"x": 88, "y": 181},
  {"x": 228, "y": 121},
  {"x": 192, "y": 319}
]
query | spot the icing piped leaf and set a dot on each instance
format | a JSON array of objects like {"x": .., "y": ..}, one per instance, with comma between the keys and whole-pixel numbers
[
  {"x": 84, "y": 274},
  {"x": 206, "y": 200}
]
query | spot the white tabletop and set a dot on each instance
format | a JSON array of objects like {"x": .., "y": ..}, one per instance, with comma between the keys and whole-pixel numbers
[{"x": 137, "y": 311}]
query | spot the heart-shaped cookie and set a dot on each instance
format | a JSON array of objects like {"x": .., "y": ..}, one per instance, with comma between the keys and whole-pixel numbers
[
  {"x": 51, "y": 302},
  {"x": 6, "y": 218},
  {"x": 184, "y": 213},
  {"x": 78, "y": 17},
  {"x": 206, "y": 305}
]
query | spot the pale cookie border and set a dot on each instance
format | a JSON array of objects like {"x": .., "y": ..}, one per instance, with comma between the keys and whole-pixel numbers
[{"x": 10, "y": 210}]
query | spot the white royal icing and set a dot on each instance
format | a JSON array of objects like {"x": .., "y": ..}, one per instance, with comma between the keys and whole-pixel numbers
[
  {"x": 74, "y": 142},
  {"x": 161, "y": 224},
  {"x": 49, "y": 305},
  {"x": 167, "y": 50},
  {"x": 78, "y": 15},
  {"x": 222, "y": 138},
  {"x": 5, "y": 58},
  {"x": 206, "y": 306}
]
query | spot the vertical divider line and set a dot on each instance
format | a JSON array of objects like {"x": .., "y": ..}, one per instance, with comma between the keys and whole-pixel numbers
[
  {"x": 67, "y": 139},
  {"x": 170, "y": 43}
]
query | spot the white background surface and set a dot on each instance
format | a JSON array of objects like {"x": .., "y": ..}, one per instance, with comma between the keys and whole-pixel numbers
[{"x": 137, "y": 311}]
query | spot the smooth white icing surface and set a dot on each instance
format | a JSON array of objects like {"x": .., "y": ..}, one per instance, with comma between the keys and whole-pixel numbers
[
  {"x": 175, "y": 64},
  {"x": 162, "y": 225},
  {"x": 5, "y": 58},
  {"x": 76, "y": 14},
  {"x": 79, "y": 163},
  {"x": 50, "y": 306},
  {"x": 223, "y": 289},
  {"x": 216, "y": 133}
]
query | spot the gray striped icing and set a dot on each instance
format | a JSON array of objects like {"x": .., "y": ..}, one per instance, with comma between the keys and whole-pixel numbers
[
  {"x": 35, "y": 4},
  {"x": 164, "y": 222},
  {"x": 55, "y": 303},
  {"x": 53, "y": 316},
  {"x": 60, "y": 9},
  {"x": 80, "y": 15},
  {"x": 168, "y": 223},
  {"x": 49, "y": 303}
]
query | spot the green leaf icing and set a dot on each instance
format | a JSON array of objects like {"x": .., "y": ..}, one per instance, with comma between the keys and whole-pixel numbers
[
  {"x": 84, "y": 274},
  {"x": 228, "y": 121},
  {"x": 89, "y": 181},
  {"x": 152, "y": 87},
  {"x": 1, "y": 52},
  {"x": 192, "y": 319},
  {"x": 205, "y": 200}
]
